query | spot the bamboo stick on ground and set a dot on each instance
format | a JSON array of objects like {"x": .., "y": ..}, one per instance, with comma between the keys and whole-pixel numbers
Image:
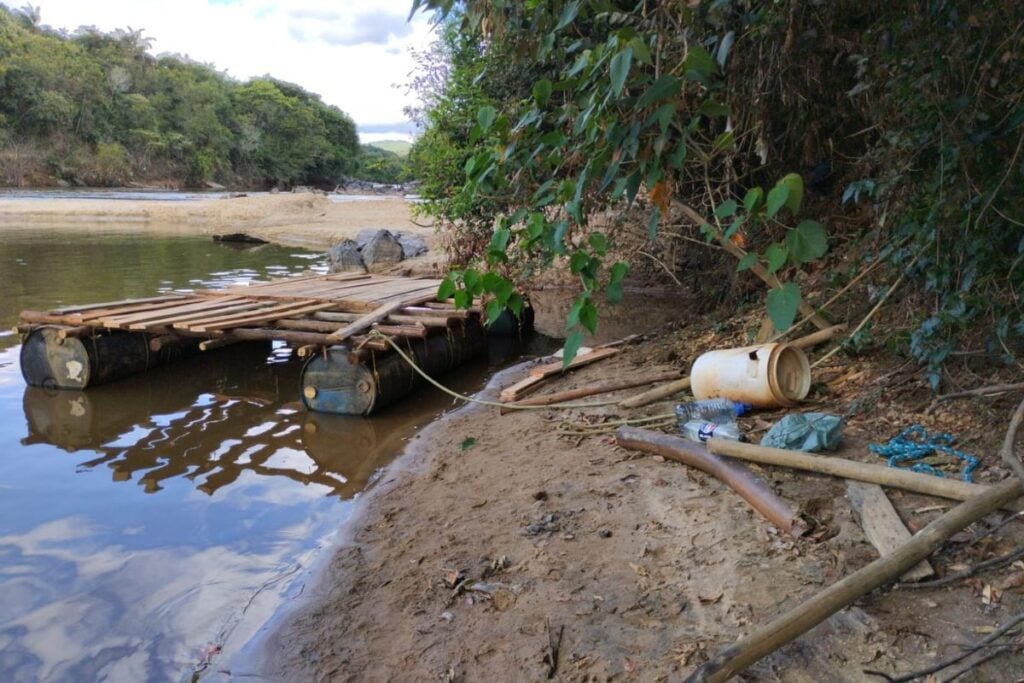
[
  {"x": 591, "y": 390},
  {"x": 749, "y": 487},
  {"x": 848, "y": 469},
  {"x": 657, "y": 393},
  {"x": 794, "y": 623}
]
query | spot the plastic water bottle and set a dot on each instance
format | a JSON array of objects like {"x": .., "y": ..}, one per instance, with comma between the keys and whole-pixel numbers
[
  {"x": 711, "y": 410},
  {"x": 700, "y": 431}
]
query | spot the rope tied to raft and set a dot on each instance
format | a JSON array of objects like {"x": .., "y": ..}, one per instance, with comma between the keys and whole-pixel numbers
[
  {"x": 469, "y": 399},
  {"x": 915, "y": 443}
]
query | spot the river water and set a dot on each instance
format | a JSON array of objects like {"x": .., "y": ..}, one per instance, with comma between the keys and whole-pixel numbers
[{"x": 146, "y": 522}]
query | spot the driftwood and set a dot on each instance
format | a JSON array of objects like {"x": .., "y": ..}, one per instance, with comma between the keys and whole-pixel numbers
[
  {"x": 849, "y": 469},
  {"x": 592, "y": 390},
  {"x": 797, "y": 621},
  {"x": 749, "y": 487},
  {"x": 539, "y": 374},
  {"x": 882, "y": 524}
]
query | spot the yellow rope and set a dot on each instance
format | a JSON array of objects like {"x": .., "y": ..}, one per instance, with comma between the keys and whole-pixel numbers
[{"x": 484, "y": 402}]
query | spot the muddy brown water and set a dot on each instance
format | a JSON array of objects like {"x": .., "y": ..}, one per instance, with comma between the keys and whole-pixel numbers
[{"x": 146, "y": 522}]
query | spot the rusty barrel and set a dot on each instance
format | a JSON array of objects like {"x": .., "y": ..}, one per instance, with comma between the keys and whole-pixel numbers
[{"x": 338, "y": 381}]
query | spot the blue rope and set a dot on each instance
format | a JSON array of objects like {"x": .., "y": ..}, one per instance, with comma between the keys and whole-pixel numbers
[{"x": 914, "y": 443}]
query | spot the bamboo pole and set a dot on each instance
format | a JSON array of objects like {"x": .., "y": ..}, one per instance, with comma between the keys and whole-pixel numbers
[
  {"x": 737, "y": 657},
  {"x": 749, "y": 487},
  {"x": 953, "y": 489},
  {"x": 818, "y": 337},
  {"x": 592, "y": 389},
  {"x": 656, "y": 394}
]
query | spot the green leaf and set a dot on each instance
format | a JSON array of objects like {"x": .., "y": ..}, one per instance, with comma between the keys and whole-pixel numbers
[
  {"x": 573, "y": 317},
  {"x": 542, "y": 92},
  {"x": 775, "y": 255},
  {"x": 749, "y": 259},
  {"x": 726, "y": 208},
  {"x": 613, "y": 292},
  {"x": 493, "y": 310},
  {"x": 713, "y": 109},
  {"x": 620, "y": 69},
  {"x": 725, "y": 140},
  {"x": 807, "y": 242},
  {"x": 777, "y": 198},
  {"x": 445, "y": 290},
  {"x": 599, "y": 243},
  {"x": 467, "y": 443},
  {"x": 652, "y": 224},
  {"x": 795, "y": 183},
  {"x": 663, "y": 88},
  {"x": 782, "y": 304},
  {"x": 485, "y": 117},
  {"x": 572, "y": 345},
  {"x": 698, "y": 64},
  {"x": 619, "y": 271},
  {"x": 515, "y": 303},
  {"x": 752, "y": 199},
  {"x": 503, "y": 291},
  {"x": 588, "y": 317},
  {"x": 463, "y": 299},
  {"x": 569, "y": 13},
  {"x": 578, "y": 262},
  {"x": 471, "y": 280}
]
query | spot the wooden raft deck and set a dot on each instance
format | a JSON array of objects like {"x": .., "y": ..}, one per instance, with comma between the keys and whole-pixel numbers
[{"x": 311, "y": 311}]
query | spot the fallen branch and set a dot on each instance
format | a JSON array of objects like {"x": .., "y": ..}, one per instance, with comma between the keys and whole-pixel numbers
[
  {"x": 1006, "y": 452},
  {"x": 981, "y": 391},
  {"x": 657, "y": 393},
  {"x": 939, "y": 666},
  {"x": 794, "y": 623},
  {"x": 749, "y": 487},
  {"x": 994, "y": 563}
]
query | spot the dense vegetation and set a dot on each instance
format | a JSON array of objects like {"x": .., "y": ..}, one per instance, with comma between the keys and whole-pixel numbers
[
  {"x": 381, "y": 165},
  {"x": 95, "y": 108},
  {"x": 810, "y": 138}
]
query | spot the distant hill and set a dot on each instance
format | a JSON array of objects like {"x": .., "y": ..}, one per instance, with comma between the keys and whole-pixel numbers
[{"x": 399, "y": 147}]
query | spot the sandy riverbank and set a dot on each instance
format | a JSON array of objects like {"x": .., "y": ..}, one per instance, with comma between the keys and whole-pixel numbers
[
  {"x": 306, "y": 219},
  {"x": 471, "y": 558}
]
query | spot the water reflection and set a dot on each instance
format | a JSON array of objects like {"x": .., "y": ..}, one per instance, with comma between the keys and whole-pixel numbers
[{"x": 209, "y": 420}]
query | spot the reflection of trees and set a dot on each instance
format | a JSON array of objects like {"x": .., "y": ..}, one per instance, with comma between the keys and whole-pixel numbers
[{"x": 168, "y": 423}]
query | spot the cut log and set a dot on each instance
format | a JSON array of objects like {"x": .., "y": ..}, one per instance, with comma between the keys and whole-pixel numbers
[
  {"x": 749, "y": 487},
  {"x": 882, "y": 524}
]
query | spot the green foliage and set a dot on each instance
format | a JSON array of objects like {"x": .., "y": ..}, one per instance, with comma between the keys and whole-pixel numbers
[
  {"x": 107, "y": 111},
  {"x": 381, "y": 166}
]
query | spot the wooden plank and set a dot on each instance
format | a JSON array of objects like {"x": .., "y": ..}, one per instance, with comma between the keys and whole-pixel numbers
[
  {"x": 374, "y": 316},
  {"x": 176, "y": 320},
  {"x": 265, "y": 316},
  {"x": 205, "y": 304},
  {"x": 417, "y": 331},
  {"x": 882, "y": 524},
  {"x": 541, "y": 373},
  {"x": 112, "y": 304},
  {"x": 555, "y": 368},
  {"x": 97, "y": 314}
]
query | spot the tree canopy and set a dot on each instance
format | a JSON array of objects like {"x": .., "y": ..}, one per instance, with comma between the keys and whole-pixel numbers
[{"x": 96, "y": 108}]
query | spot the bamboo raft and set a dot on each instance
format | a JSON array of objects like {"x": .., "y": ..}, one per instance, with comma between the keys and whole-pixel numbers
[{"x": 328, "y": 318}]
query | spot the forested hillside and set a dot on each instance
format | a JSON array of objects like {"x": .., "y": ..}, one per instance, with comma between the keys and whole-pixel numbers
[{"x": 95, "y": 108}]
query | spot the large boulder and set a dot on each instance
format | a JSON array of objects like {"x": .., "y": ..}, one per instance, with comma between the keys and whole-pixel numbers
[
  {"x": 412, "y": 245},
  {"x": 365, "y": 235},
  {"x": 383, "y": 249},
  {"x": 345, "y": 258}
]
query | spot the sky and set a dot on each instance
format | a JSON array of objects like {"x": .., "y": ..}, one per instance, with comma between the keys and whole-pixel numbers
[{"x": 354, "y": 54}]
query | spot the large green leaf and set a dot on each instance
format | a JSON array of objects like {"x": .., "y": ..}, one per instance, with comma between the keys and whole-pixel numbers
[
  {"x": 485, "y": 117},
  {"x": 777, "y": 197},
  {"x": 795, "y": 184},
  {"x": 620, "y": 69},
  {"x": 782, "y": 304},
  {"x": 807, "y": 242},
  {"x": 571, "y": 347},
  {"x": 542, "y": 92},
  {"x": 569, "y": 13},
  {"x": 663, "y": 88},
  {"x": 699, "y": 64},
  {"x": 775, "y": 255}
]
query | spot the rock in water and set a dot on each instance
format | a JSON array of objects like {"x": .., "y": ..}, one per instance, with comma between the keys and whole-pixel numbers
[
  {"x": 382, "y": 250},
  {"x": 345, "y": 258},
  {"x": 412, "y": 245}
]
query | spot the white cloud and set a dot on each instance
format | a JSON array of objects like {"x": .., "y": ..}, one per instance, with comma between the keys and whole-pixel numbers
[{"x": 351, "y": 53}]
